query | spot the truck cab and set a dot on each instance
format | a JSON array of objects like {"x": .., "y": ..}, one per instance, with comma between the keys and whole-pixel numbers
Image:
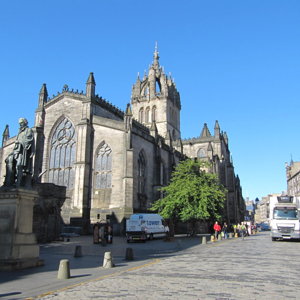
[{"x": 284, "y": 219}]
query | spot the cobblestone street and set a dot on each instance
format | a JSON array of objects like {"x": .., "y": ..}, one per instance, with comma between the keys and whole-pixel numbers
[{"x": 254, "y": 268}]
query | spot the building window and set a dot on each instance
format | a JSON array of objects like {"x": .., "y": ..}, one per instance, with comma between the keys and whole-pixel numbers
[
  {"x": 62, "y": 155},
  {"x": 103, "y": 167},
  {"x": 201, "y": 153},
  {"x": 154, "y": 113},
  {"x": 147, "y": 115},
  {"x": 141, "y": 115},
  {"x": 141, "y": 173}
]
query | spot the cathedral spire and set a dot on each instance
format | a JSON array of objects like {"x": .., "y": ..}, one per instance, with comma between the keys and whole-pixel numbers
[
  {"x": 128, "y": 117},
  {"x": 90, "y": 86},
  {"x": 156, "y": 57},
  {"x": 43, "y": 95},
  {"x": 5, "y": 135},
  {"x": 225, "y": 138},
  {"x": 217, "y": 129},
  {"x": 128, "y": 110},
  {"x": 205, "y": 131}
]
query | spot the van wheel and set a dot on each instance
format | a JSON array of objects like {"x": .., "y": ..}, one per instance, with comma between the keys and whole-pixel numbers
[{"x": 274, "y": 239}]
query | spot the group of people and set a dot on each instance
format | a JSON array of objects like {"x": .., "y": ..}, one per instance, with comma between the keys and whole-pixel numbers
[
  {"x": 220, "y": 230},
  {"x": 240, "y": 229},
  {"x": 102, "y": 233}
]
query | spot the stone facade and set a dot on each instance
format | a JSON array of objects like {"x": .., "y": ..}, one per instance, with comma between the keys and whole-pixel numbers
[
  {"x": 113, "y": 162},
  {"x": 293, "y": 178}
]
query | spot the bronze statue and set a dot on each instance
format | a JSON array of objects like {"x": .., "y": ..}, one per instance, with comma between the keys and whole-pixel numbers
[{"x": 19, "y": 161}]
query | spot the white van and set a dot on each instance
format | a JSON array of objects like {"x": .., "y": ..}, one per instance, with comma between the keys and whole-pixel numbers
[{"x": 140, "y": 227}]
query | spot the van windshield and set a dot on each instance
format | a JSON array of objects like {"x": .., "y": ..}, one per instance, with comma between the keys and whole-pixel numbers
[{"x": 285, "y": 213}]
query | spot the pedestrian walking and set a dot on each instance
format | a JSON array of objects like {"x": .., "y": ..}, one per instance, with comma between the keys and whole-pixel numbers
[
  {"x": 225, "y": 230},
  {"x": 217, "y": 229},
  {"x": 243, "y": 230}
]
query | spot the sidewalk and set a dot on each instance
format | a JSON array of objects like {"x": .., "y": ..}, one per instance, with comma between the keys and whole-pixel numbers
[{"x": 36, "y": 281}]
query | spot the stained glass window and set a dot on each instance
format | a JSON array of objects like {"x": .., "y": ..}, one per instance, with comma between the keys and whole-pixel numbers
[
  {"x": 62, "y": 154},
  {"x": 103, "y": 167}
]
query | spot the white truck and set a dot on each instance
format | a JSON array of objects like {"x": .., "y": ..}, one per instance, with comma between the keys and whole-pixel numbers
[
  {"x": 284, "y": 218},
  {"x": 140, "y": 227}
]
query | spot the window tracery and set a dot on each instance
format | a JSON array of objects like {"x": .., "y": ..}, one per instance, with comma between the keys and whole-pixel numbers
[
  {"x": 62, "y": 154},
  {"x": 103, "y": 167}
]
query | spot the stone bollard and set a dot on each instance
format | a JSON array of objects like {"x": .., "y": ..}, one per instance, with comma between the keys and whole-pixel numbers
[
  {"x": 212, "y": 238},
  {"x": 64, "y": 269},
  {"x": 204, "y": 240},
  {"x": 230, "y": 235},
  {"x": 179, "y": 244},
  {"x": 129, "y": 254},
  {"x": 78, "y": 252},
  {"x": 236, "y": 235},
  {"x": 107, "y": 261},
  {"x": 219, "y": 237}
]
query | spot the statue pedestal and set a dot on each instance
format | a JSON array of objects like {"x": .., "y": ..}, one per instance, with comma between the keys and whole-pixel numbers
[{"x": 18, "y": 245}]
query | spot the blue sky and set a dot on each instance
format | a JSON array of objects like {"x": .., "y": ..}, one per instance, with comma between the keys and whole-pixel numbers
[{"x": 236, "y": 62}]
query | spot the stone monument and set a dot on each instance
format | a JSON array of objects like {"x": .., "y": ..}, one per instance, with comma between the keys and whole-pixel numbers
[{"x": 17, "y": 197}]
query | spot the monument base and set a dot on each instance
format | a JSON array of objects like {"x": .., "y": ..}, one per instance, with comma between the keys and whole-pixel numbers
[
  {"x": 18, "y": 245},
  {"x": 18, "y": 264}
]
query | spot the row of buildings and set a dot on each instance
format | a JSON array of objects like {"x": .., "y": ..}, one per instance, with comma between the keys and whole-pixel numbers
[
  {"x": 262, "y": 211},
  {"x": 113, "y": 162}
]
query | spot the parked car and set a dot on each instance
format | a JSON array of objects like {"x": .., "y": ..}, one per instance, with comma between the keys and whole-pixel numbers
[
  {"x": 70, "y": 231},
  {"x": 263, "y": 227}
]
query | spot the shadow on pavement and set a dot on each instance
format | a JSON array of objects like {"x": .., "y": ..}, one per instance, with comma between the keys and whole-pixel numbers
[{"x": 91, "y": 260}]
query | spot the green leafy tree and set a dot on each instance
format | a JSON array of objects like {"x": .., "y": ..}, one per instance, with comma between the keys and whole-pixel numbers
[{"x": 193, "y": 194}]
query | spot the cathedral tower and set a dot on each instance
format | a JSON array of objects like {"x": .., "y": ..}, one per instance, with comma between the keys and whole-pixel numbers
[{"x": 156, "y": 99}]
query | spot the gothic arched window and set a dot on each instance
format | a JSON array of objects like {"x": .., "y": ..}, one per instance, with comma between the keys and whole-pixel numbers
[
  {"x": 154, "y": 113},
  {"x": 201, "y": 153},
  {"x": 147, "y": 115},
  {"x": 141, "y": 115},
  {"x": 62, "y": 154},
  {"x": 141, "y": 173},
  {"x": 103, "y": 167}
]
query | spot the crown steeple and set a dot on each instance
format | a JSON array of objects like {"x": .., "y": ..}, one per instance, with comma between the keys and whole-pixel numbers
[{"x": 155, "y": 97}]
